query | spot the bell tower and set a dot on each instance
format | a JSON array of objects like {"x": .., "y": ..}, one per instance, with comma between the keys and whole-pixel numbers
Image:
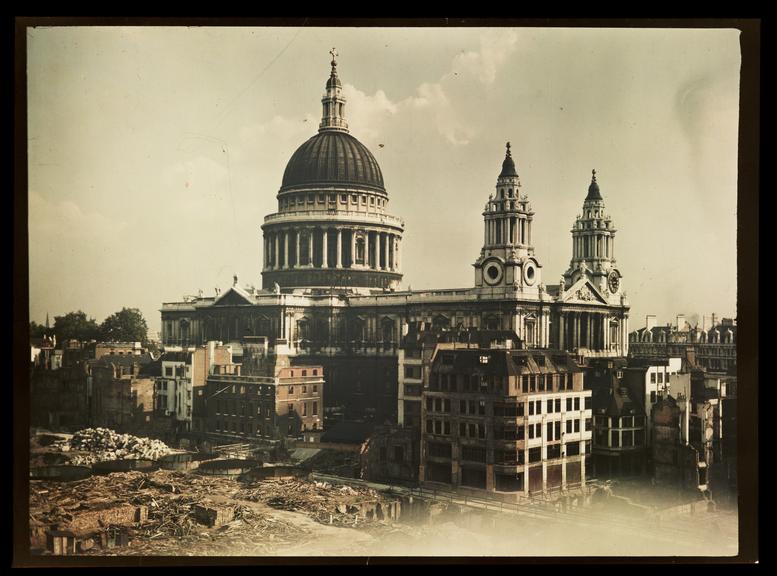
[
  {"x": 507, "y": 258},
  {"x": 593, "y": 246}
]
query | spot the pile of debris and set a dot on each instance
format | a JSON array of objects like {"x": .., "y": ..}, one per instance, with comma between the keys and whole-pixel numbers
[
  {"x": 159, "y": 513},
  {"x": 104, "y": 444},
  {"x": 327, "y": 504}
]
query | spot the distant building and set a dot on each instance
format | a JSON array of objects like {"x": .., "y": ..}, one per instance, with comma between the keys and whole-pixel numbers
[
  {"x": 173, "y": 396},
  {"x": 121, "y": 398},
  {"x": 505, "y": 420},
  {"x": 59, "y": 388},
  {"x": 264, "y": 397},
  {"x": 100, "y": 349},
  {"x": 619, "y": 439},
  {"x": 713, "y": 346},
  {"x": 393, "y": 454}
]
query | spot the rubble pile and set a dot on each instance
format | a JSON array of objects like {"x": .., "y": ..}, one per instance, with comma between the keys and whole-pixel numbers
[
  {"x": 104, "y": 444},
  {"x": 169, "y": 523},
  {"x": 327, "y": 504}
]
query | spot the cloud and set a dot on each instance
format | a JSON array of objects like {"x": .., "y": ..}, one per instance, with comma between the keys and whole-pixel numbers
[
  {"x": 486, "y": 62},
  {"x": 438, "y": 104},
  {"x": 66, "y": 219}
]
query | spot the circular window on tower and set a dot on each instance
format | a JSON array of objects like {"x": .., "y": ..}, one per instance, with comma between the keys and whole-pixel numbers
[
  {"x": 529, "y": 273},
  {"x": 492, "y": 272}
]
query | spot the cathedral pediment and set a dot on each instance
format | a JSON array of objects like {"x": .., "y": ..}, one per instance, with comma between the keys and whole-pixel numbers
[
  {"x": 235, "y": 296},
  {"x": 583, "y": 292}
]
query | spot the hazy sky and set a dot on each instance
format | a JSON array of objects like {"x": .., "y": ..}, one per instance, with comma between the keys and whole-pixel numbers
[{"x": 155, "y": 153}]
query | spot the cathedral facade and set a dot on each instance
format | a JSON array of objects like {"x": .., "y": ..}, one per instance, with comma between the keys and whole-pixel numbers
[{"x": 332, "y": 268}]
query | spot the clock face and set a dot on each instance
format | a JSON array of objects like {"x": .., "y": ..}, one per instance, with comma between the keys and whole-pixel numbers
[
  {"x": 613, "y": 282},
  {"x": 492, "y": 272},
  {"x": 529, "y": 274}
]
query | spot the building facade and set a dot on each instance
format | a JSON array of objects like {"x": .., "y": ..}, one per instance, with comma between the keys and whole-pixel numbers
[
  {"x": 264, "y": 397},
  {"x": 505, "y": 420},
  {"x": 713, "y": 346},
  {"x": 332, "y": 266}
]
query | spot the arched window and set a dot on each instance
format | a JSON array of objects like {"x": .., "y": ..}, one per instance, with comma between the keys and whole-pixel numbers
[
  {"x": 360, "y": 250},
  {"x": 304, "y": 243},
  {"x": 387, "y": 330},
  {"x": 303, "y": 329}
]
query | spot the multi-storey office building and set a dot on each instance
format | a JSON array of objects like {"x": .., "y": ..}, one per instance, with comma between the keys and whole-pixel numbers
[{"x": 505, "y": 420}]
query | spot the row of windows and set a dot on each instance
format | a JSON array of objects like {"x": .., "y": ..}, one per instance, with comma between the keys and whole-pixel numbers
[
  {"x": 499, "y": 384},
  {"x": 301, "y": 199},
  {"x": 625, "y": 439},
  {"x": 304, "y": 387},
  {"x": 478, "y": 430},
  {"x": 660, "y": 377},
  {"x": 622, "y": 422},
  {"x": 553, "y": 405},
  {"x": 243, "y": 427},
  {"x": 247, "y": 408},
  {"x": 179, "y": 371}
]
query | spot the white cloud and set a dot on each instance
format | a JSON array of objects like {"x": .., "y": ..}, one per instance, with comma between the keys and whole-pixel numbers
[
  {"x": 495, "y": 48},
  {"x": 65, "y": 219}
]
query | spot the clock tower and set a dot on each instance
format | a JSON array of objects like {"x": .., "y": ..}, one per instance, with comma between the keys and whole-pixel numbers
[
  {"x": 593, "y": 248},
  {"x": 507, "y": 260}
]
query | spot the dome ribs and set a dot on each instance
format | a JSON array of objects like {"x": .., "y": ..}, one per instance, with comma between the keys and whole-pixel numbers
[{"x": 333, "y": 158}]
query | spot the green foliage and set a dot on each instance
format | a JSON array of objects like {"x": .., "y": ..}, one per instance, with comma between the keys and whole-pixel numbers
[
  {"x": 75, "y": 326},
  {"x": 37, "y": 330},
  {"x": 128, "y": 325}
]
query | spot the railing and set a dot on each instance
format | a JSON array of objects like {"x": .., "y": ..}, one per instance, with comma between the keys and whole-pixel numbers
[
  {"x": 337, "y": 215},
  {"x": 240, "y": 379}
]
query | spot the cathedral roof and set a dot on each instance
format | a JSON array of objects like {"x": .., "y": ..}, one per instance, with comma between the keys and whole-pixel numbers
[{"x": 331, "y": 158}]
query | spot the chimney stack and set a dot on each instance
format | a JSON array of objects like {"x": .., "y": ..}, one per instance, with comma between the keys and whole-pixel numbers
[
  {"x": 650, "y": 321},
  {"x": 680, "y": 322}
]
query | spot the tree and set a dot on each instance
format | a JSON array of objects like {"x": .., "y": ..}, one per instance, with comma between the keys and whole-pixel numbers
[
  {"x": 75, "y": 326},
  {"x": 125, "y": 326},
  {"x": 37, "y": 330}
]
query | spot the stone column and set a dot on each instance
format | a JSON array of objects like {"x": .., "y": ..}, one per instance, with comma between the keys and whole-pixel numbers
[
  {"x": 606, "y": 332},
  {"x": 264, "y": 251},
  {"x": 577, "y": 330},
  {"x": 399, "y": 252},
  {"x": 561, "y": 331},
  {"x": 324, "y": 247},
  {"x": 392, "y": 260},
  {"x": 310, "y": 247},
  {"x": 277, "y": 240},
  {"x": 339, "y": 261},
  {"x": 353, "y": 247},
  {"x": 296, "y": 248},
  {"x": 385, "y": 251},
  {"x": 375, "y": 246},
  {"x": 286, "y": 249}
]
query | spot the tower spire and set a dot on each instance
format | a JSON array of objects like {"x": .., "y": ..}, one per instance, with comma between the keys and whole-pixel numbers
[
  {"x": 508, "y": 166},
  {"x": 593, "y": 189},
  {"x": 333, "y": 102}
]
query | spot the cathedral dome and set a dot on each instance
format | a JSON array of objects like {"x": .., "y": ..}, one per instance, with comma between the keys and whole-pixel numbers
[{"x": 332, "y": 158}]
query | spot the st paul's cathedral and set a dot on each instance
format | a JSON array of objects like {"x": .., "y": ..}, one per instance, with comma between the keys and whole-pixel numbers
[{"x": 332, "y": 267}]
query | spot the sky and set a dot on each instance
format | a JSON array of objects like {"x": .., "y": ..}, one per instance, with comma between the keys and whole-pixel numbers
[{"x": 155, "y": 152}]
